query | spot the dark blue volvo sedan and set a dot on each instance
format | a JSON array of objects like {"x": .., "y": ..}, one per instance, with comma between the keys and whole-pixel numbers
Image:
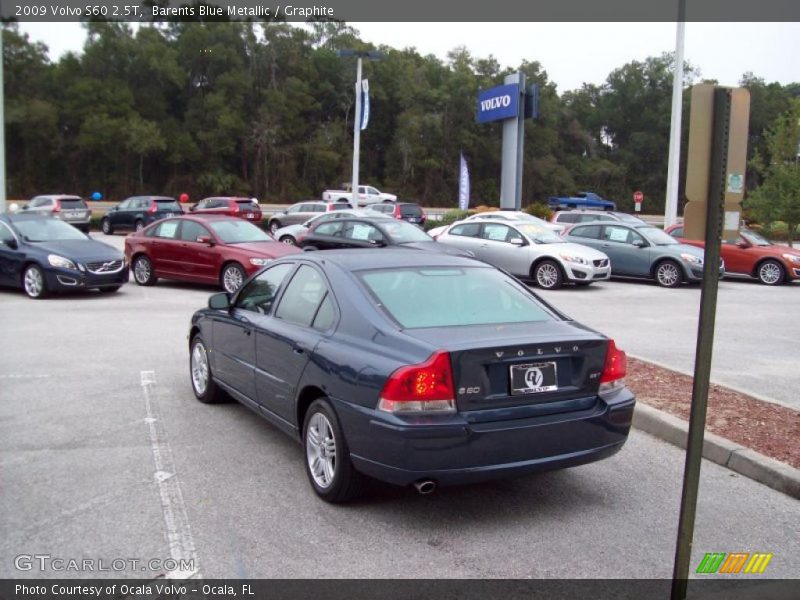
[{"x": 413, "y": 368}]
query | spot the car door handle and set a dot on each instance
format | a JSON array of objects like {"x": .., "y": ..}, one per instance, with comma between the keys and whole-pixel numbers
[
  {"x": 606, "y": 245},
  {"x": 298, "y": 349}
]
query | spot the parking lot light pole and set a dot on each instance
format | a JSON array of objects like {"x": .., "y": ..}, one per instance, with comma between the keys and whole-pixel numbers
[{"x": 360, "y": 55}]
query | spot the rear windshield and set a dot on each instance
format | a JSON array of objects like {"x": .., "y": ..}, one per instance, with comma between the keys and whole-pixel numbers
[
  {"x": 410, "y": 210},
  {"x": 447, "y": 297},
  {"x": 72, "y": 203},
  {"x": 168, "y": 204},
  {"x": 238, "y": 231},
  {"x": 245, "y": 203}
]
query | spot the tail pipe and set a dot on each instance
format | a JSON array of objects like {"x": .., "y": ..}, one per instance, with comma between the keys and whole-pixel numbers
[{"x": 425, "y": 486}]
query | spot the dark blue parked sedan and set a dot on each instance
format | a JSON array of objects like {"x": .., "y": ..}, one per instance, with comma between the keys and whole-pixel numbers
[
  {"x": 433, "y": 371},
  {"x": 43, "y": 254}
]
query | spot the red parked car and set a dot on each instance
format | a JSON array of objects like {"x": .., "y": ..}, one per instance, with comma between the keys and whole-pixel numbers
[
  {"x": 754, "y": 256},
  {"x": 202, "y": 249},
  {"x": 244, "y": 208}
]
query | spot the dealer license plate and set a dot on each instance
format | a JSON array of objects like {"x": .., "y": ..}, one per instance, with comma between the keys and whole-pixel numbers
[{"x": 533, "y": 378}]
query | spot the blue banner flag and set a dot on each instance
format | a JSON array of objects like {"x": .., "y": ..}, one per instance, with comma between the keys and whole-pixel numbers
[
  {"x": 364, "y": 104},
  {"x": 463, "y": 185}
]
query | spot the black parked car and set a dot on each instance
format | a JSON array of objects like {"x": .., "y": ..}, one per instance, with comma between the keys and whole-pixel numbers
[
  {"x": 375, "y": 232},
  {"x": 441, "y": 370},
  {"x": 138, "y": 212},
  {"x": 43, "y": 254}
]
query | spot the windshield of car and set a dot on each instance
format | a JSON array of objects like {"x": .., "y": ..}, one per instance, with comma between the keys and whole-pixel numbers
[
  {"x": 754, "y": 238},
  {"x": 626, "y": 218},
  {"x": 238, "y": 232},
  {"x": 405, "y": 233},
  {"x": 46, "y": 230},
  {"x": 419, "y": 297},
  {"x": 168, "y": 204},
  {"x": 539, "y": 234},
  {"x": 657, "y": 236}
]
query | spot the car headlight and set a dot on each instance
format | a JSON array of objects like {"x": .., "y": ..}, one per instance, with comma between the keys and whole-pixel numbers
[
  {"x": 691, "y": 258},
  {"x": 59, "y": 261},
  {"x": 260, "y": 262},
  {"x": 792, "y": 258},
  {"x": 574, "y": 259}
]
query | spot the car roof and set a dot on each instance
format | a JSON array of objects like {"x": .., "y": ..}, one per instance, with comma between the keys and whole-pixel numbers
[
  {"x": 201, "y": 216},
  {"x": 25, "y": 216},
  {"x": 390, "y": 258},
  {"x": 59, "y": 196}
]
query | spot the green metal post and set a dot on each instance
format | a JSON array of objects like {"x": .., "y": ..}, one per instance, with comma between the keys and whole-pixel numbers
[{"x": 705, "y": 343}]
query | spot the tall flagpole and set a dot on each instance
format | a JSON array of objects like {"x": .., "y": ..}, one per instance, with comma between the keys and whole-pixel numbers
[
  {"x": 673, "y": 170},
  {"x": 357, "y": 135},
  {"x": 2, "y": 133}
]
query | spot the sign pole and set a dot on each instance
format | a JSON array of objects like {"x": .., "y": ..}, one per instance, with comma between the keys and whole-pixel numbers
[
  {"x": 2, "y": 133},
  {"x": 513, "y": 145},
  {"x": 356, "y": 135}
]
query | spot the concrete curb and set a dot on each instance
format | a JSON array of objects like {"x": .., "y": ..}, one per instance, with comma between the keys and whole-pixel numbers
[{"x": 746, "y": 462}]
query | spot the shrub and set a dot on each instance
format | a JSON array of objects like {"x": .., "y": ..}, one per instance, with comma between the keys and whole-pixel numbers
[{"x": 537, "y": 209}]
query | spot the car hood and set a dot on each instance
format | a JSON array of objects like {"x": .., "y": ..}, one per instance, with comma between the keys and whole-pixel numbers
[
  {"x": 80, "y": 250},
  {"x": 776, "y": 251},
  {"x": 266, "y": 249},
  {"x": 576, "y": 249},
  {"x": 434, "y": 246}
]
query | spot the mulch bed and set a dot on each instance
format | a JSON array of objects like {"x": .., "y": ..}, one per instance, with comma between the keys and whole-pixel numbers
[{"x": 767, "y": 428}]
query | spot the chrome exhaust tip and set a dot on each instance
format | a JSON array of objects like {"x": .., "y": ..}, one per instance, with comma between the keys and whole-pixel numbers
[{"x": 425, "y": 486}]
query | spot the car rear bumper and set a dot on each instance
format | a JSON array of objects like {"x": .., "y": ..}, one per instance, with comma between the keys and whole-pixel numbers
[
  {"x": 67, "y": 279},
  {"x": 451, "y": 450}
]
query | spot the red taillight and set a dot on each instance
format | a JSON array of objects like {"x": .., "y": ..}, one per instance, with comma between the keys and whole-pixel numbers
[
  {"x": 424, "y": 387},
  {"x": 614, "y": 370},
  {"x": 153, "y": 208},
  {"x": 57, "y": 206},
  {"x": 236, "y": 207},
  {"x": 397, "y": 213}
]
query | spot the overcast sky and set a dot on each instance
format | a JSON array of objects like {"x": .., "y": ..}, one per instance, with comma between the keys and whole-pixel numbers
[{"x": 571, "y": 53}]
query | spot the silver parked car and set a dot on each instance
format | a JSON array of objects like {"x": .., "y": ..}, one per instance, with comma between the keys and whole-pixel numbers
[
  {"x": 643, "y": 251},
  {"x": 70, "y": 209},
  {"x": 291, "y": 234},
  {"x": 302, "y": 211},
  {"x": 529, "y": 251}
]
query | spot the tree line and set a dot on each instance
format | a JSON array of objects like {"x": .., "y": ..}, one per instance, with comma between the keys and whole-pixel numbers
[{"x": 266, "y": 110}]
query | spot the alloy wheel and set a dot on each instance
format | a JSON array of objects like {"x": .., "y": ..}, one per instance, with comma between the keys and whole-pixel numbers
[
  {"x": 34, "y": 282},
  {"x": 141, "y": 270},
  {"x": 199, "y": 368},
  {"x": 321, "y": 450},
  {"x": 232, "y": 279},
  {"x": 547, "y": 275},
  {"x": 667, "y": 274},
  {"x": 770, "y": 273}
]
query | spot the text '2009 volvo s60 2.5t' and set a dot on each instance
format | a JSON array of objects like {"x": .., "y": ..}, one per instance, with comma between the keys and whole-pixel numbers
[{"x": 439, "y": 370}]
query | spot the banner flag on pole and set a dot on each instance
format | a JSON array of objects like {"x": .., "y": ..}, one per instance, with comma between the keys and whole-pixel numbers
[
  {"x": 364, "y": 104},
  {"x": 463, "y": 185}
]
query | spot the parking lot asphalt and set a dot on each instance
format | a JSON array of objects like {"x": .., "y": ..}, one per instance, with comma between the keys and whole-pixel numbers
[
  {"x": 755, "y": 340},
  {"x": 105, "y": 453}
]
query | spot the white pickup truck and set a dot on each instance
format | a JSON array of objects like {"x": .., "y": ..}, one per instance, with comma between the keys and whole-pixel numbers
[{"x": 366, "y": 195}]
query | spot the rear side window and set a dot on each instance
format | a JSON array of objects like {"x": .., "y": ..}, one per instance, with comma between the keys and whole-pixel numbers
[
  {"x": 302, "y": 297},
  {"x": 448, "y": 297},
  {"x": 586, "y": 231},
  {"x": 466, "y": 230}
]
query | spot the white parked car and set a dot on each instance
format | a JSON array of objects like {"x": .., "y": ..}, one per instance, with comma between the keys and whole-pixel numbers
[
  {"x": 292, "y": 234},
  {"x": 529, "y": 251},
  {"x": 503, "y": 215},
  {"x": 366, "y": 195}
]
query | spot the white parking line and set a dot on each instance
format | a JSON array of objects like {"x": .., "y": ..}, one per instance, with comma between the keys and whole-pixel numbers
[{"x": 176, "y": 520}]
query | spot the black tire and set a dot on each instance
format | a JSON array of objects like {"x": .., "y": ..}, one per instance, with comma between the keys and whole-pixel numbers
[
  {"x": 106, "y": 226},
  {"x": 547, "y": 275},
  {"x": 142, "y": 268},
  {"x": 288, "y": 240},
  {"x": 346, "y": 483},
  {"x": 274, "y": 225},
  {"x": 668, "y": 274},
  {"x": 110, "y": 290},
  {"x": 34, "y": 283},
  {"x": 771, "y": 272},
  {"x": 198, "y": 355},
  {"x": 138, "y": 225},
  {"x": 232, "y": 277},
  {"x": 84, "y": 229}
]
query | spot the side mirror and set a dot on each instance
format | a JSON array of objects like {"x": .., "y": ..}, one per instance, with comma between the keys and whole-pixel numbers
[
  {"x": 516, "y": 242},
  {"x": 12, "y": 243},
  {"x": 638, "y": 243},
  {"x": 378, "y": 243},
  {"x": 205, "y": 239},
  {"x": 193, "y": 208},
  {"x": 221, "y": 301},
  {"x": 742, "y": 243}
]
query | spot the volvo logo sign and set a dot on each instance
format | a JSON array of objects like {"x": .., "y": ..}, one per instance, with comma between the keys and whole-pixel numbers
[{"x": 497, "y": 103}]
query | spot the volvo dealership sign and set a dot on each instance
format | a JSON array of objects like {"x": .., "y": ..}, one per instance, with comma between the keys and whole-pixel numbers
[{"x": 498, "y": 103}]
